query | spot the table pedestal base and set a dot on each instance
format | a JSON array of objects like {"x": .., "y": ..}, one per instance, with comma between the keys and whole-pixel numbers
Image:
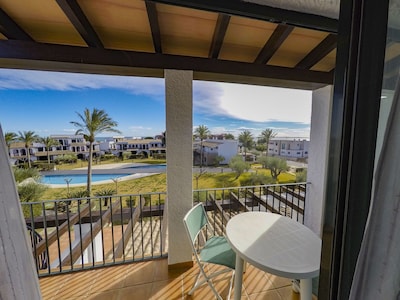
[
  {"x": 238, "y": 278},
  {"x": 306, "y": 289}
]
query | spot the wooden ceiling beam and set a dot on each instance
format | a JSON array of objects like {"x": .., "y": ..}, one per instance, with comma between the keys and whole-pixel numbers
[
  {"x": 17, "y": 52},
  {"x": 319, "y": 52},
  {"x": 11, "y": 29},
  {"x": 154, "y": 25},
  {"x": 219, "y": 35},
  {"x": 79, "y": 20},
  {"x": 279, "y": 35},
  {"x": 260, "y": 12}
]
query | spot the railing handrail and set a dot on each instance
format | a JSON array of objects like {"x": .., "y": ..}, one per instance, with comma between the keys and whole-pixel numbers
[
  {"x": 135, "y": 224},
  {"x": 251, "y": 186}
]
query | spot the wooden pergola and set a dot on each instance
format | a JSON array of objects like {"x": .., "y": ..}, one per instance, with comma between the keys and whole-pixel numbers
[{"x": 230, "y": 41}]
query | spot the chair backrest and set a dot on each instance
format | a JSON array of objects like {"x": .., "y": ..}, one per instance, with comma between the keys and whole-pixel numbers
[{"x": 195, "y": 220}]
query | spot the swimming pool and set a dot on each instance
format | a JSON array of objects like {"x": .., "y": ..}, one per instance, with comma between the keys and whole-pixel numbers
[
  {"x": 160, "y": 166},
  {"x": 78, "y": 178}
]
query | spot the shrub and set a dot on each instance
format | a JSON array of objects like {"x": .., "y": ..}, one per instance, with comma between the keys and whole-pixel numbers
[
  {"x": 107, "y": 157},
  {"x": 159, "y": 156},
  {"x": 66, "y": 158},
  {"x": 22, "y": 174},
  {"x": 105, "y": 194},
  {"x": 256, "y": 179},
  {"x": 301, "y": 176},
  {"x": 31, "y": 191},
  {"x": 275, "y": 165},
  {"x": 225, "y": 180},
  {"x": 78, "y": 194},
  {"x": 238, "y": 165},
  {"x": 43, "y": 165}
]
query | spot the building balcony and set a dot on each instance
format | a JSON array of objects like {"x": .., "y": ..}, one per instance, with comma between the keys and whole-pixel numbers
[
  {"x": 154, "y": 280},
  {"x": 115, "y": 247}
]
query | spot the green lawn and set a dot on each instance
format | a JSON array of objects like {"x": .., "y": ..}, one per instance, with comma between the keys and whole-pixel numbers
[{"x": 157, "y": 183}]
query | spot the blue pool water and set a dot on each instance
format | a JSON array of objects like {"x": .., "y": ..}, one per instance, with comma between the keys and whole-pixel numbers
[
  {"x": 78, "y": 178},
  {"x": 148, "y": 167}
]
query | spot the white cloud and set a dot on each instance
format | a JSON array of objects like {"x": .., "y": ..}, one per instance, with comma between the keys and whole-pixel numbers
[
  {"x": 223, "y": 100},
  {"x": 206, "y": 97},
  {"x": 39, "y": 80},
  {"x": 266, "y": 104}
]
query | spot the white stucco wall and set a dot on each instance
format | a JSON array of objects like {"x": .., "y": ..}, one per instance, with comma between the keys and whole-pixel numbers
[
  {"x": 18, "y": 278},
  {"x": 228, "y": 149},
  {"x": 318, "y": 158},
  {"x": 179, "y": 124}
]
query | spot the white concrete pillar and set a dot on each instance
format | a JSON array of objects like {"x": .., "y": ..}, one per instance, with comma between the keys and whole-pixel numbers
[
  {"x": 318, "y": 158},
  {"x": 18, "y": 278},
  {"x": 179, "y": 125}
]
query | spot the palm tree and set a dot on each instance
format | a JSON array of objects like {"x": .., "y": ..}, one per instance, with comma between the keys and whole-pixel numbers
[
  {"x": 91, "y": 124},
  {"x": 246, "y": 139},
  {"x": 28, "y": 138},
  {"x": 48, "y": 143},
  {"x": 10, "y": 137},
  {"x": 201, "y": 132},
  {"x": 266, "y": 135},
  {"x": 229, "y": 136}
]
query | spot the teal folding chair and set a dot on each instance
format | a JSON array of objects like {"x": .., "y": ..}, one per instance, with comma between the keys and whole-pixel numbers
[{"x": 212, "y": 250}]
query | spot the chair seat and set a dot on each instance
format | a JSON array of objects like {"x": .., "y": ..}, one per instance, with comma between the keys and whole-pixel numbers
[{"x": 218, "y": 251}]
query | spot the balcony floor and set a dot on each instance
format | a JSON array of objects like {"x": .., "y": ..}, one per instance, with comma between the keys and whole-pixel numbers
[{"x": 153, "y": 280}]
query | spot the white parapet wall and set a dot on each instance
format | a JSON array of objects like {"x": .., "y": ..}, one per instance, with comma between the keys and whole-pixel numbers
[
  {"x": 18, "y": 277},
  {"x": 318, "y": 158}
]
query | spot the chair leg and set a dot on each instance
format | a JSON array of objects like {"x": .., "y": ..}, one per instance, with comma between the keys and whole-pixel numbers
[
  {"x": 231, "y": 285},
  {"x": 196, "y": 284},
  {"x": 207, "y": 279}
]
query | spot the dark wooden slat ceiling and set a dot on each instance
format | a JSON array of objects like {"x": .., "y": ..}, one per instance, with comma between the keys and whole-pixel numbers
[
  {"x": 219, "y": 34},
  {"x": 155, "y": 27},
  {"x": 260, "y": 12},
  {"x": 168, "y": 24},
  {"x": 275, "y": 41},
  {"x": 11, "y": 30},
  {"x": 75, "y": 14},
  {"x": 319, "y": 52}
]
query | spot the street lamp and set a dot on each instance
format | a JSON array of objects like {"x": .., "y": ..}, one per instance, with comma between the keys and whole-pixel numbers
[
  {"x": 116, "y": 179},
  {"x": 68, "y": 180}
]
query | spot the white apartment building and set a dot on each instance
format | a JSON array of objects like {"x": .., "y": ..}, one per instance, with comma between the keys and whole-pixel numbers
[
  {"x": 213, "y": 148},
  {"x": 296, "y": 148},
  {"x": 145, "y": 147},
  {"x": 67, "y": 144}
]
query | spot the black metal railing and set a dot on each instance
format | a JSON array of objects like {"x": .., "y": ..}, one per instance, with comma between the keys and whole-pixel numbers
[
  {"x": 84, "y": 233},
  {"x": 223, "y": 203}
]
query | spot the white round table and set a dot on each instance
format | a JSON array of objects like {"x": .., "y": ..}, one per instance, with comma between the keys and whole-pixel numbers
[{"x": 277, "y": 245}]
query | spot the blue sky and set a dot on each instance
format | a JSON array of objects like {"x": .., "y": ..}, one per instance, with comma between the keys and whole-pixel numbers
[{"x": 46, "y": 102}]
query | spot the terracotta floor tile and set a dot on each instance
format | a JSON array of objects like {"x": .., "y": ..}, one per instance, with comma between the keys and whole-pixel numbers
[
  {"x": 279, "y": 282},
  {"x": 287, "y": 293},
  {"x": 136, "y": 292},
  {"x": 153, "y": 280},
  {"x": 109, "y": 278},
  {"x": 51, "y": 285},
  {"x": 256, "y": 281},
  {"x": 104, "y": 295},
  {"x": 79, "y": 284},
  {"x": 140, "y": 273},
  {"x": 167, "y": 289},
  {"x": 267, "y": 295}
]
